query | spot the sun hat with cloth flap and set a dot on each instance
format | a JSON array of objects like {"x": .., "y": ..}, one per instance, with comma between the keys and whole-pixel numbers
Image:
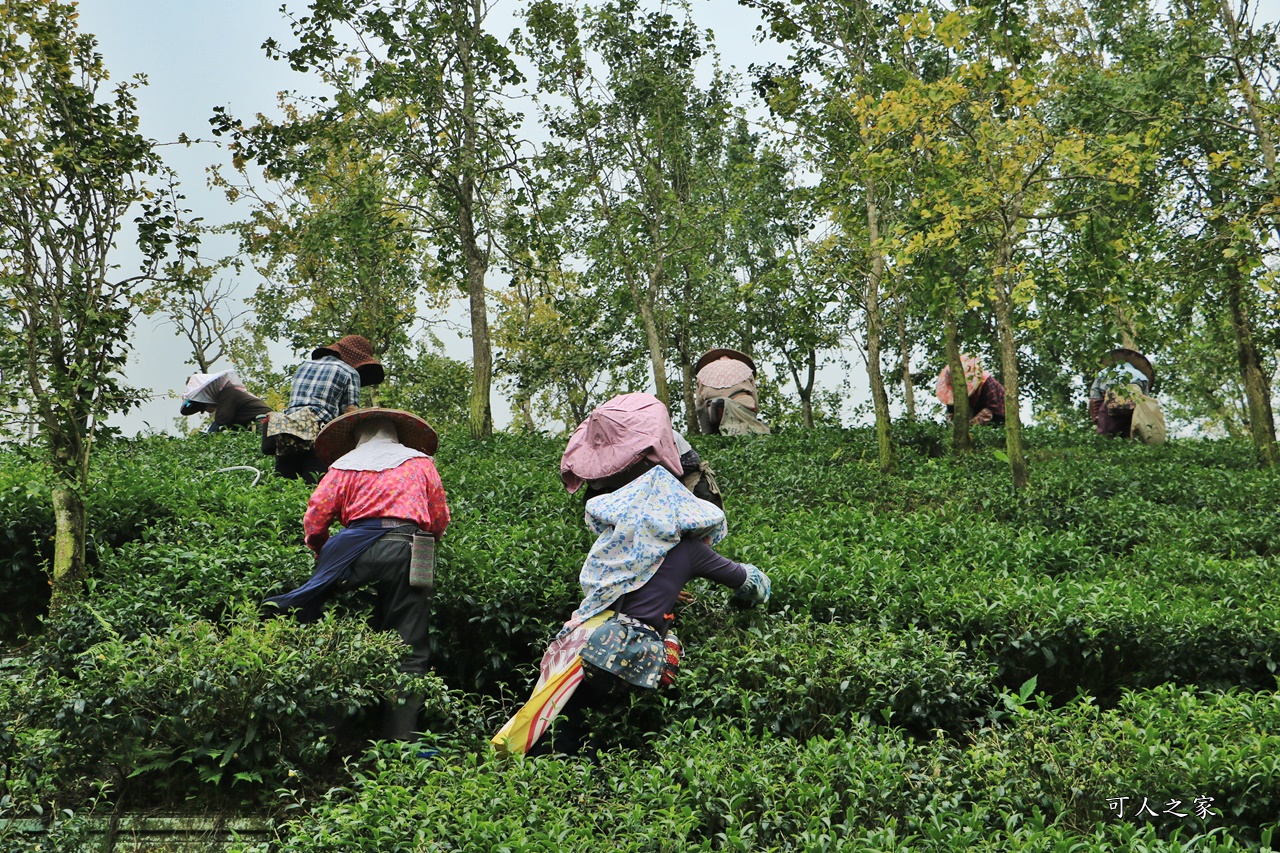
[
  {"x": 724, "y": 368},
  {"x": 974, "y": 376},
  {"x": 356, "y": 351},
  {"x": 617, "y": 435},
  {"x": 339, "y": 435},
  {"x": 204, "y": 387}
]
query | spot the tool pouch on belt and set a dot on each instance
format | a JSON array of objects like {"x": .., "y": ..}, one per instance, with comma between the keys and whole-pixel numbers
[
  {"x": 633, "y": 651},
  {"x": 422, "y": 562}
]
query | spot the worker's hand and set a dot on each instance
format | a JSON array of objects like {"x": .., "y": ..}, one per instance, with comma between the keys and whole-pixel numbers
[
  {"x": 685, "y": 597},
  {"x": 349, "y": 409}
]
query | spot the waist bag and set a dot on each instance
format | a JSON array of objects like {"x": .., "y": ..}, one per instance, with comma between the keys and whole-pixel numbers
[
  {"x": 292, "y": 431},
  {"x": 631, "y": 650}
]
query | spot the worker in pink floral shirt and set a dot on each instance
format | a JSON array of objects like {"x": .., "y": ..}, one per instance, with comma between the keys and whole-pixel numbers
[{"x": 384, "y": 488}]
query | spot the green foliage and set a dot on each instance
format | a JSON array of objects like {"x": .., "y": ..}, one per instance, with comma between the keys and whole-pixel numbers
[
  {"x": 247, "y": 701},
  {"x": 803, "y": 679},
  {"x": 428, "y": 384}
]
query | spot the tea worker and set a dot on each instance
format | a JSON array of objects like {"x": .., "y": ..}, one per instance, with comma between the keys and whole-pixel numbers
[
  {"x": 652, "y": 537},
  {"x": 631, "y": 409},
  {"x": 1111, "y": 401},
  {"x": 986, "y": 395},
  {"x": 383, "y": 487},
  {"x": 695, "y": 473},
  {"x": 323, "y": 388},
  {"x": 224, "y": 396},
  {"x": 725, "y": 398}
]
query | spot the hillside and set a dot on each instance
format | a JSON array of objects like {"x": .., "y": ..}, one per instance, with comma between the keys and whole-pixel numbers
[{"x": 944, "y": 664}]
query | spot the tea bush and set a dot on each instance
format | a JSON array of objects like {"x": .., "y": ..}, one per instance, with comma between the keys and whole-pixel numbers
[
  {"x": 249, "y": 701},
  {"x": 708, "y": 790},
  {"x": 1161, "y": 744},
  {"x": 868, "y": 707},
  {"x": 804, "y": 679},
  {"x": 26, "y": 541}
]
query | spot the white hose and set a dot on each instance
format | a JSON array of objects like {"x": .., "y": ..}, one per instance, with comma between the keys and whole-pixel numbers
[{"x": 257, "y": 473}]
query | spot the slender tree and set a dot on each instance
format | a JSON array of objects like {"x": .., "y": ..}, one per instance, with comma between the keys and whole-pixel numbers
[
  {"x": 423, "y": 86},
  {"x": 629, "y": 130},
  {"x": 336, "y": 243},
  {"x": 74, "y": 164},
  {"x": 847, "y": 59}
]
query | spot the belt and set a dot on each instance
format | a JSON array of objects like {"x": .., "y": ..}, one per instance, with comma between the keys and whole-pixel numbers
[{"x": 397, "y": 533}]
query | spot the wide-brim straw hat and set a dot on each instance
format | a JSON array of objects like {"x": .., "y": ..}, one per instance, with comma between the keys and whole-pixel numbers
[
  {"x": 1134, "y": 358},
  {"x": 356, "y": 351},
  {"x": 338, "y": 437},
  {"x": 715, "y": 354}
]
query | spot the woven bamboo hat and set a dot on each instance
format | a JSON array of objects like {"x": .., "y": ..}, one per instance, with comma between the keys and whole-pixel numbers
[
  {"x": 715, "y": 354},
  {"x": 356, "y": 351},
  {"x": 1133, "y": 357},
  {"x": 339, "y": 435}
]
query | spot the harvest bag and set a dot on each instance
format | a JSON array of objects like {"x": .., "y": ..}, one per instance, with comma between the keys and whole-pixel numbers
[{"x": 1148, "y": 421}]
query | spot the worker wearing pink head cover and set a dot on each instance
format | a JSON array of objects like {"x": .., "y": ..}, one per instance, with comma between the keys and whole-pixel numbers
[{"x": 615, "y": 437}]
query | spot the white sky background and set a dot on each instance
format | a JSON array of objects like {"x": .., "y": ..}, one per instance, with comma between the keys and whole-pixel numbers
[{"x": 198, "y": 54}]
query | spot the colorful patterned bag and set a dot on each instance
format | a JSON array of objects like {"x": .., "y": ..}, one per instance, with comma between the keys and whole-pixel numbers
[
  {"x": 294, "y": 430},
  {"x": 633, "y": 651}
]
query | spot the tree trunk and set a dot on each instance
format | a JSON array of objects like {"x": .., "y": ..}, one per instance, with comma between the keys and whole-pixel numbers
[
  {"x": 686, "y": 357},
  {"x": 904, "y": 353},
  {"x": 961, "y": 441},
  {"x": 652, "y": 337},
  {"x": 68, "y": 547},
  {"x": 806, "y": 393},
  {"x": 1256, "y": 387},
  {"x": 481, "y": 414},
  {"x": 1124, "y": 322},
  {"x": 884, "y": 436},
  {"x": 1009, "y": 363},
  {"x": 481, "y": 419},
  {"x": 526, "y": 415},
  {"x": 71, "y": 461}
]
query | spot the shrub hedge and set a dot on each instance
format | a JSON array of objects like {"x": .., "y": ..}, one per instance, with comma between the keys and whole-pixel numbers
[{"x": 946, "y": 664}]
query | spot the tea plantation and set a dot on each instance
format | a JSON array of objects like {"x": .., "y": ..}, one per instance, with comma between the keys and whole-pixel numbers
[{"x": 945, "y": 664}]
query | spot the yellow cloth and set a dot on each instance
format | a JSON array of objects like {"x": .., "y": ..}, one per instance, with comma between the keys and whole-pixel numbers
[{"x": 561, "y": 673}]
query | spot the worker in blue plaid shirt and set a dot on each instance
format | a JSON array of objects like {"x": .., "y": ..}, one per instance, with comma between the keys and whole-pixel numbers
[{"x": 323, "y": 388}]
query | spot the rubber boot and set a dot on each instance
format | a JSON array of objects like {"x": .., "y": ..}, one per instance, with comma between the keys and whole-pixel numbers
[{"x": 400, "y": 719}]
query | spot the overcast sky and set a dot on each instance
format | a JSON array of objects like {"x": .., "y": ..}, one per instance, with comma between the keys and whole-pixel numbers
[{"x": 198, "y": 54}]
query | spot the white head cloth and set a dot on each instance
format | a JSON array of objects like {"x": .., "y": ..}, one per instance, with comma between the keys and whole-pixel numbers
[
  {"x": 682, "y": 444},
  {"x": 205, "y": 387},
  {"x": 378, "y": 448}
]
